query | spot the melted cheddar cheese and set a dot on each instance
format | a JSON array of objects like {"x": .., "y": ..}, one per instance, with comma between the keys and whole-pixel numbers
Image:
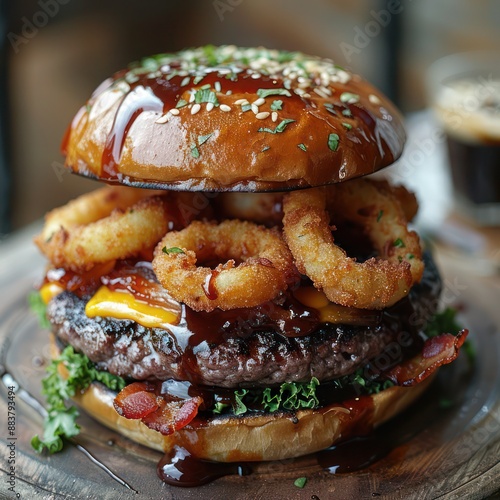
[
  {"x": 49, "y": 291},
  {"x": 328, "y": 311},
  {"x": 123, "y": 305}
]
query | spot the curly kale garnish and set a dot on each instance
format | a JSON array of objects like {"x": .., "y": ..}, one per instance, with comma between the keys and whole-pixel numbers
[{"x": 60, "y": 421}]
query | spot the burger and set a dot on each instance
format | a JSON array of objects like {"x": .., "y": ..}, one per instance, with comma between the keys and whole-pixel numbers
[{"x": 242, "y": 289}]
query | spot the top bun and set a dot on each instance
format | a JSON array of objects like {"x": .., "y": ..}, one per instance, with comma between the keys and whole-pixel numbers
[{"x": 233, "y": 119}]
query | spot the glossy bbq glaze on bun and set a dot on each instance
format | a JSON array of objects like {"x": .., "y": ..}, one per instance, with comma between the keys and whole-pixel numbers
[
  {"x": 233, "y": 119},
  {"x": 254, "y": 438}
]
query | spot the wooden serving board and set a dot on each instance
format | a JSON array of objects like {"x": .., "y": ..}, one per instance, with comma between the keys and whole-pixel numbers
[{"x": 455, "y": 455}]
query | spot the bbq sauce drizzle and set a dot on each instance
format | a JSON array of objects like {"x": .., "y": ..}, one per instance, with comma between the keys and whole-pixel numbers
[{"x": 180, "y": 467}]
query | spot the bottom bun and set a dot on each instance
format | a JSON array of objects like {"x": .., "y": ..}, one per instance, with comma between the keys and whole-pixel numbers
[{"x": 262, "y": 437}]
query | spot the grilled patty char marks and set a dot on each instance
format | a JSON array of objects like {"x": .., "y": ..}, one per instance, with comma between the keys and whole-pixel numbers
[{"x": 262, "y": 358}]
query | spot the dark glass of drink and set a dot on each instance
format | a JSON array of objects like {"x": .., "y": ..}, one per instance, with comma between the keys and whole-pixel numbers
[{"x": 465, "y": 95}]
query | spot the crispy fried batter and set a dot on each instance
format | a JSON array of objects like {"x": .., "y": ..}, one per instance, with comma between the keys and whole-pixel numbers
[
  {"x": 104, "y": 225},
  {"x": 259, "y": 265},
  {"x": 374, "y": 284}
]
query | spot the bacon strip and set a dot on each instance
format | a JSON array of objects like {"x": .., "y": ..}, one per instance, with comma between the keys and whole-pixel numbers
[
  {"x": 437, "y": 351},
  {"x": 172, "y": 416},
  {"x": 138, "y": 401}
]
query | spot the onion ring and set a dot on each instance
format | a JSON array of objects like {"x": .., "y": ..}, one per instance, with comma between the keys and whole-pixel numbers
[
  {"x": 373, "y": 284},
  {"x": 407, "y": 199},
  {"x": 104, "y": 225},
  {"x": 265, "y": 265}
]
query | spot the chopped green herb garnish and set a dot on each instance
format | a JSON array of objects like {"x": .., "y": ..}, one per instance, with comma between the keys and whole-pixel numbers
[
  {"x": 195, "y": 153},
  {"x": 349, "y": 98},
  {"x": 238, "y": 406},
  {"x": 219, "y": 408},
  {"x": 276, "y": 105},
  {"x": 265, "y": 148},
  {"x": 198, "y": 79},
  {"x": 348, "y": 126},
  {"x": 172, "y": 250},
  {"x": 330, "y": 108},
  {"x": 379, "y": 216},
  {"x": 38, "y": 306},
  {"x": 302, "y": 146},
  {"x": 181, "y": 103},
  {"x": 210, "y": 52},
  {"x": 300, "y": 482},
  {"x": 347, "y": 112},
  {"x": 291, "y": 396},
  {"x": 204, "y": 138},
  {"x": 283, "y": 124},
  {"x": 267, "y": 92},
  {"x": 410, "y": 256},
  {"x": 364, "y": 384},
  {"x": 333, "y": 142},
  {"x": 206, "y": 95},
  {"x": 206, "y": 86},
  {"x": 286, "y": 56},
  {"x": 246, "y": 107},
  {"x": 279, "y": 128},
  {"x": 60, "y": 421},
  {"x": 399, "y": 243}
]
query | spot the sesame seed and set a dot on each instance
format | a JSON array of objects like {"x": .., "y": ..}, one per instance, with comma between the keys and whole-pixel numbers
[
  {"x": 229, "y": 92},
  {"x": 299, "y": 91},
  {"x": 259, "y": 102},
  {"x": 210, "y": 106},
  {"x": 255, "y": 76},
  {"x": 217, "y": 86},
  {"x": 326, "y": 90},
  {"x": 164, "y": 118},
  {"x": 274, "y": 116},
  {"x": 374, "y": 99},
  {"x": 191, "y": 97},
  {"x": 225, "y": 108},
  {"x": 306, "y": 95},
  {"x": 255, "y": 108},
  {"x": 316, "y": 90},
  {"x": 263, "y": 115},
  {"x": 174, "y": 111},
  {"x": 240, "y": 102},
  {"x": 195, "y": 109},
  {"x": 343, "y": 76}
]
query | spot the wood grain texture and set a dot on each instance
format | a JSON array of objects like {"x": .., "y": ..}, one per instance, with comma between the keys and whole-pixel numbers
[{"x": 455, "y": 457}]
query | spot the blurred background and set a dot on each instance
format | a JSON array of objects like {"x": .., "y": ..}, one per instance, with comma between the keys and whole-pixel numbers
[{"x": 55, "y": 52}]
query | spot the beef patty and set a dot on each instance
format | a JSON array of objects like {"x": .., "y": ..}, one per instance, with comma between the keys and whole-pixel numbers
[{"x": 238, "y": 358}]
